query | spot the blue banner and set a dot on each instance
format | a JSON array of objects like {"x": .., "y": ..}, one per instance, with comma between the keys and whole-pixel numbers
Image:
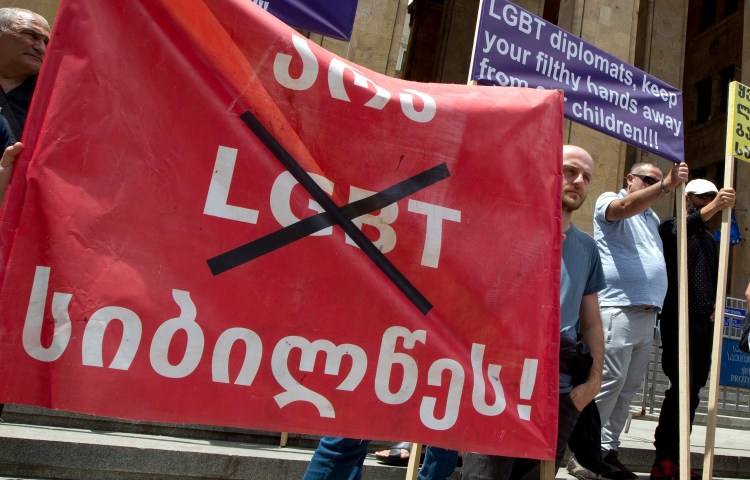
[
  {"x": 733, "y": 317},
  {"x": 518, "y": 49},
  {"x": 333, "y": 18},
  {"x": 735, "y": 365}
]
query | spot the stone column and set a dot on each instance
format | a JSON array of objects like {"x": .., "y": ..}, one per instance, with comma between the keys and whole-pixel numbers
[
  {"x": 376, "y": 36},
  {"x": 609, "y": 25}
]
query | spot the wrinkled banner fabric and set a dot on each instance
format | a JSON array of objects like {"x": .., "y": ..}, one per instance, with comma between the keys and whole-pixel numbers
[
  {"x": 186, "y": 237},
  {"x": 334, "y": 18}
]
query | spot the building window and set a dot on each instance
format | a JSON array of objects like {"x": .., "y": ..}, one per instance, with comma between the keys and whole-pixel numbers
[
  {"x": 551, "y": 11},
  {"x": 708, "y": 14},
  {"x": 730, "y": 6},
  {"x": 703, "y": 90},
  {"x": 698, "y": 173},
  {"x": 713, "y": 172},
  {"x": 727, "y": 76}
]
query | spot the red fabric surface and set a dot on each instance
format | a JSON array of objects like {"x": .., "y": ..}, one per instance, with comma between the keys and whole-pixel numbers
[{"x": 136, "y": 102}]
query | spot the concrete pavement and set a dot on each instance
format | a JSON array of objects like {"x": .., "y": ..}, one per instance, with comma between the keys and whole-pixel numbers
[
  {"x": 731, "y": 452},
  {"x": 44, "y": 452}
]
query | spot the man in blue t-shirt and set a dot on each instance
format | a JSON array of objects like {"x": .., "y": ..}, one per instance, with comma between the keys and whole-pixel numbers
[
  {"x": 626, "y": 233},
  {"x": 581, "y": 277}
]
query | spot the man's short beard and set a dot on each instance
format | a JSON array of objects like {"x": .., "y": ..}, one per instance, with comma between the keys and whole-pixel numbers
[{"x": 570, "y": 205}]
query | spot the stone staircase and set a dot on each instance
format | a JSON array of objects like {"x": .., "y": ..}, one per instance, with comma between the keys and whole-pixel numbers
[{"x": 37, "y": 443}]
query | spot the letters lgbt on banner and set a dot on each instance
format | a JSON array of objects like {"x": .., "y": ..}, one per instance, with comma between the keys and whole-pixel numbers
[
  {"x": 516, "y": 48},
  {"x": 216, "y": 221}
]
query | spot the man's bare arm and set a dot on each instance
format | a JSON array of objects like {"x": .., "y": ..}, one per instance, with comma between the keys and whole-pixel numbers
[
  {"x": 724, "y": 199},
  {"x": 640, "y": 201},
  {"x": 590, "y": 327}
]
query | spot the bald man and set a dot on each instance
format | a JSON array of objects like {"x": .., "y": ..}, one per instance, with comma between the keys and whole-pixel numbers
[{"x": 581, "y": 277}]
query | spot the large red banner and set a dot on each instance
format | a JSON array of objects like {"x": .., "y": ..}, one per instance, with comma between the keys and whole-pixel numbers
[{"x": 216, "y": 221}]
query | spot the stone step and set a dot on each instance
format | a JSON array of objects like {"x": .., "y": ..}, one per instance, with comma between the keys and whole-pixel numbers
[
  {"x": 22, "y": 414},
  {"x": 132, "y": 451},
  {"x": 35, "y": 452},
  {"x": 42, "y": 452}
]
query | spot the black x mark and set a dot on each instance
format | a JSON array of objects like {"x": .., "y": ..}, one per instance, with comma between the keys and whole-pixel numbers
[{"x": 333, "y": 214}]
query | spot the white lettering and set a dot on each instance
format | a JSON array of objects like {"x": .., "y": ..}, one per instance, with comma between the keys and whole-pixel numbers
[
  {"x": 429, "y": 108},
  {"x": 387, "y": 240},
  {"x": 165, "y": 333},
  {"x": 388, "y": 358},
  {"x": 394, "y": 338},
  {"x": 294, "y": 391},
  {"x": 338, "y": 90},
  {"x": 515, "y": 17},
  {"x": 281, "y": 193},
  {"x": 433, "y": 241},
  {"x": 478, "y": 397},
  {"x": 93, "y": 337},
  {"x": 32, "y": 328},
  {"x": 218, "y": 190},
  {"x": 453, "y": 401},
  {"x": 337, "y": 87},
  {"x": 223, "y": 348},
  {"x": 281, "y": 202},
  {"x": 309, "y": 66}
]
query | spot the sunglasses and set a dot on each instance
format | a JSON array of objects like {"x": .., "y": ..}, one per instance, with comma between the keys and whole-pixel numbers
[
  {"x": 705, "y": 196},
  {"x": 648, "y": 180}
]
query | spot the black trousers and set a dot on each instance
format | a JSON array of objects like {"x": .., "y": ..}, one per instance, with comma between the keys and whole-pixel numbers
[
  {"x": 490, "y": 467},
  {"x": 667, "y": 435}
]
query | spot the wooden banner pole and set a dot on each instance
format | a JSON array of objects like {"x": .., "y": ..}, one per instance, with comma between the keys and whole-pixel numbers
[
  {"x": 683, "y": 345},
  {"x": 547, "y": 470},
  {"x": 469, "y": 81},
  {"x": 721, "y": 290},
  {"x": 737, "y": 109},
  {"x": 412, "y": 470}
]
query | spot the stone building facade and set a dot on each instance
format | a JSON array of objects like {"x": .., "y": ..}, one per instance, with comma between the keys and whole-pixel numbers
[{"x": 696, "y": 45}]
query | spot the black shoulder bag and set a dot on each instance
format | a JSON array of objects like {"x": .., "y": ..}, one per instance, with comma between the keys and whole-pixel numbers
[{"x": 7, "y": 112}]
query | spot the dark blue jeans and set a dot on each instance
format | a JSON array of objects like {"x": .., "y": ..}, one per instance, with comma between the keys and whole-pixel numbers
[{"x": 338, "y": 458}]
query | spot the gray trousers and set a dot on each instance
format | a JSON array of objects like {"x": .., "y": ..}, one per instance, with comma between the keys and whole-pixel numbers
[
  {"x": 491, "y": 467},
  {"x": 628, "y": 340}
]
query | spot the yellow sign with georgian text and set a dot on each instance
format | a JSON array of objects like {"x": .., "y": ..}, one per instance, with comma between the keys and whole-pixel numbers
[{"x": 738, "y": 122}]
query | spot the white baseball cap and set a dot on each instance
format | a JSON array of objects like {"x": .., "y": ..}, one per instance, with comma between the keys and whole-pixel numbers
[{"x": 700, "y": 186}]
